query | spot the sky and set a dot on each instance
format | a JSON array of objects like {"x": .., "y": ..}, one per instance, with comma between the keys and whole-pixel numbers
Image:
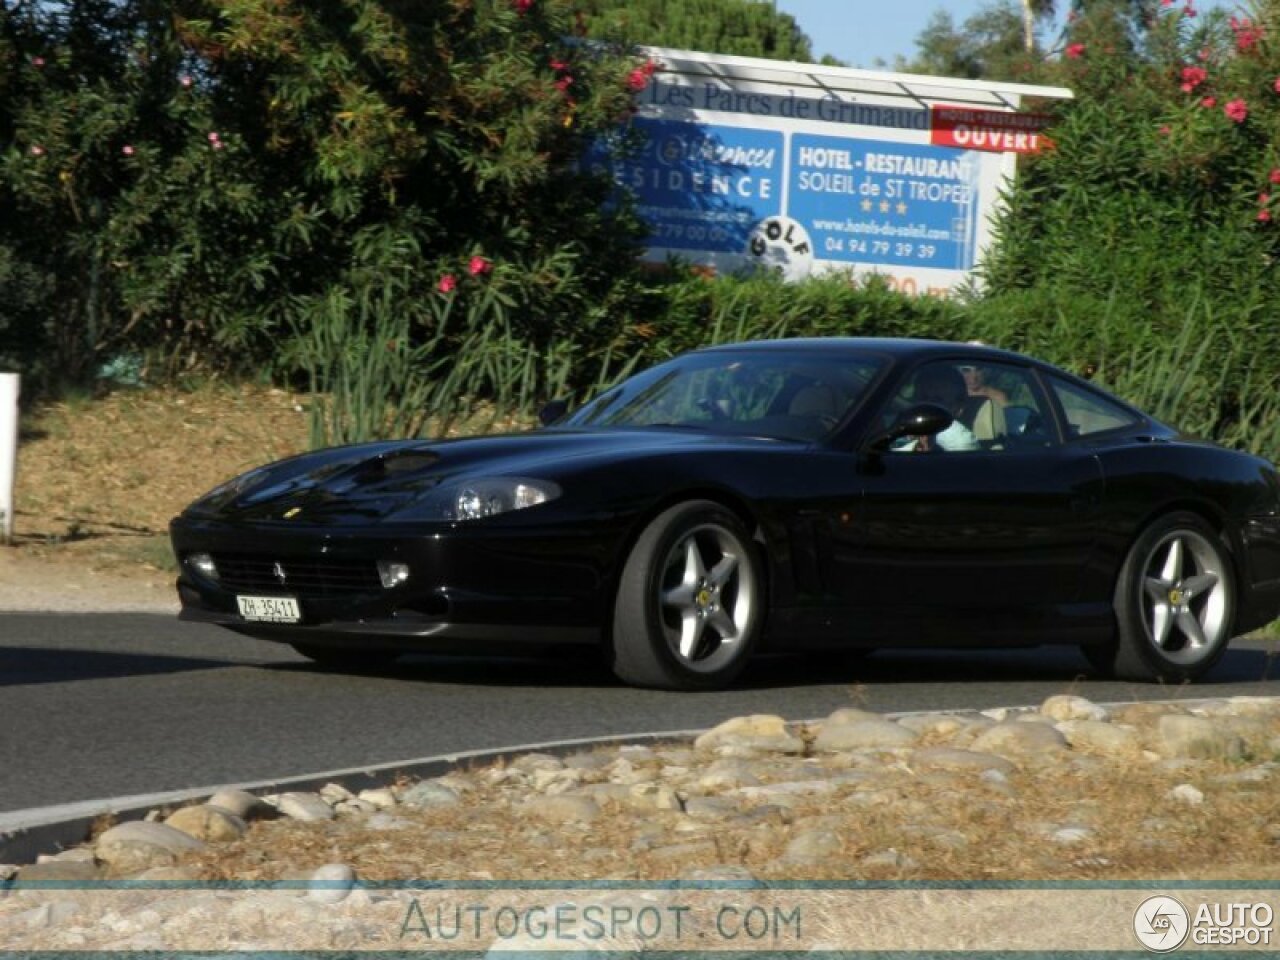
[{"x": 860, "y": 31}]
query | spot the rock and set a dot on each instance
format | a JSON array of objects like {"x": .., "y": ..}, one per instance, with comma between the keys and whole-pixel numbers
[
  {"x": 385, "y": 821},
  {"x": 208, "y": 823},
  {"x": 242, "y": 804},
  {"x": 530, "y": 762},
  {"x": 77, "y": 854},
  {"x": 849, "y": 715},
  {"x": 556, "y": 781},
  {"x": 760, "y": 733},
  {"x": 354, "y": 808},
  {"x": 1066, "y": 707},
  {"x": 1142, "y": 714},
  {"x": 1180, "y": 735},
  {"x": 1109, "y": 739},
  {"x": 947, "y": 758},
  {"x": 809, "y": 846},
  {"x": 384, "y": 798},
  {"x": 335, "y": 793},
  {"x": 65, "y": 871},
  {"x": 1069, "y": 836},
  {"x": 1020, "y": 740},
  {"x": 1186, "y": 793},
  {"x": 587, "y": 761},
  {"x": 710, "y": 808},
  {"x": 890, "y": 858},
  {"x": 429, "y": 794},
  {"x": 727, "y": 773},
  {"x": 655, "y": 797},
  {"x": 862, "y": 734},
  {"x": 304, "y": 806},
  {"x": 789, "y": 789},
  {"x": 1259, "y": 774},
  {"x": 562, "y": 808},
  {"x": 138, "y": 845},
  {"x": 331, "y": 883},
  {"x": 927, "y": 725}
]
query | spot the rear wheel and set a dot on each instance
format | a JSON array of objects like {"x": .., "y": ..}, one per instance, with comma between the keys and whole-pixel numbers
[
  {"x": 1174, "y": 602},
  {"x": 690, "y": 602},
  {"x": 345, "y": 658}
]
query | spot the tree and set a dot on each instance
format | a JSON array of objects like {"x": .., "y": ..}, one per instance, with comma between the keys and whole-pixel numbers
[
  {"x": 988, "y": 45},
  {"x": 206, "y": 175},
  {"x": 749, "y": 28}
]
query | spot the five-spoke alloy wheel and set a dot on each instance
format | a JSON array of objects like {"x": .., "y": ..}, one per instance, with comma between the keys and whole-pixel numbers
[
  {"x": 1174, "y": 602},
  {"x": 690, "y": 600}
]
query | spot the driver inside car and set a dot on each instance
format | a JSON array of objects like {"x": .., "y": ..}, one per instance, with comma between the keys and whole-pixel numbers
[{"x": 942, "y": 384}]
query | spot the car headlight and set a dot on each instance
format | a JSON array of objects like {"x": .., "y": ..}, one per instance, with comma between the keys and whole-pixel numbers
[{"x": 473, "y": 499}]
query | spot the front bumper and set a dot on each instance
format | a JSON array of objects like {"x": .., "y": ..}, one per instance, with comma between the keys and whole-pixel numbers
[{"x": 467, "y": 583}]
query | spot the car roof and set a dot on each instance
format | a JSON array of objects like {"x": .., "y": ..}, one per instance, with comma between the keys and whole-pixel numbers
[{"x": 898, "y": 347}]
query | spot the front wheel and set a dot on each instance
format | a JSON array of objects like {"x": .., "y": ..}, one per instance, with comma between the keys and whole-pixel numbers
[
  {"x": 690, "y": 601},
  {"x": 1174, "y": 601}
]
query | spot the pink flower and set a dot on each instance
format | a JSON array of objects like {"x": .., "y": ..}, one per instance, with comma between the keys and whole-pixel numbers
[
  {"x": 213, "y": 136},
  {"x": 1264, "y": 199},
  {"x": 37, "y": 150},
  {"x": 186, "y": 80},
  {"x": 127, "y": 150},
  {"x": 1075, "y": 51},
  {"x": 637, "y": 80},
  {"x": 559, "y": 66},
  {"x": 523, "y": 6},
  {"x": 1209, "y": 102},
  {"x": 37, "y": 62},
  {"x": 1166, "y": 3},
  {"x": 1236, "y": 110},
  {"x": 1247, "y": 34},
  {"x": 448, "y": 283},
  {"x": 564, "y": 83},
  {"x": 1276, "y": 86},
  {"x": 1274, "y": 176},
  {"x": 1189, "y": 10},
  {"x": 1192, "y": 77},
  {"x": 478, "y": 265},
  {"x": 1264, "y": 216},
  {"x": 1164, "y": 130}
]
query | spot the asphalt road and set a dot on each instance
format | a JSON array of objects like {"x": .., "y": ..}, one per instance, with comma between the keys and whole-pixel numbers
[{"x": 101, "y": 705}]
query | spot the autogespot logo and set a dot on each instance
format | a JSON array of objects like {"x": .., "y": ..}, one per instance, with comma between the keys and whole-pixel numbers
[{"x": 1161, "y": 924}]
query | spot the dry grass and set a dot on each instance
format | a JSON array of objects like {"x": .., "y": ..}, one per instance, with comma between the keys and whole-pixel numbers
[{"x": 98, "y": 480}]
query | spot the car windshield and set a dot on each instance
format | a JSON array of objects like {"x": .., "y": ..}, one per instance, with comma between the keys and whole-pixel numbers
[{"x": 780, "y": 394}]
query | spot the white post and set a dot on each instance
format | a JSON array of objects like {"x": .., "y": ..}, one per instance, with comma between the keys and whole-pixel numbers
[{"x": 8, "y": 451}]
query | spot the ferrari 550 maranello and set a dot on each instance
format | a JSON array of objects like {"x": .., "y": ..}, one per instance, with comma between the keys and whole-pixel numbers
[{"x": 770, "y": 496}]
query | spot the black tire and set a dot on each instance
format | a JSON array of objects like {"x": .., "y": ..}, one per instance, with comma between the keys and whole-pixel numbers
[
  {"x": 690, "y": 603},
  {"x": 1174, "y": 601},
  {"x": 345, "y": 658}
]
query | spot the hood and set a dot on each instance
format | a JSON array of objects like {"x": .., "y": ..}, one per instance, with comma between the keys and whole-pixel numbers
[{"x": 370, "y": 482}]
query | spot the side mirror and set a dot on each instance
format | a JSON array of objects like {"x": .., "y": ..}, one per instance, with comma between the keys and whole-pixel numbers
[
  {"x": 552, "y": 411},
  {"x": 923, "y": 420}
]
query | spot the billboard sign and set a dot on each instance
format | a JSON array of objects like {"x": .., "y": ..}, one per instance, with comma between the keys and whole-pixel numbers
[{"x": 808, "y": 168}]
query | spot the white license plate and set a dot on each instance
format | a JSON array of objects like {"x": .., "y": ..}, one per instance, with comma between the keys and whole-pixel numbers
[{"x": 270, "y": 609}]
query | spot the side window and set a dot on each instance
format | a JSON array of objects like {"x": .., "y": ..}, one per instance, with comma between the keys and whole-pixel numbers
[
  {"x": 997, "y": 406},
  {"x": 1086, "y": 412}
]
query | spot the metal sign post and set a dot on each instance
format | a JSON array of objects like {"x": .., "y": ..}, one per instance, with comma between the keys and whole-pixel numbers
[{"x": 8, "y": 451}]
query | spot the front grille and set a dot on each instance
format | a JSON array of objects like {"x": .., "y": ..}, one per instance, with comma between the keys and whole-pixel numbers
[{"x": 303, "y": 576}]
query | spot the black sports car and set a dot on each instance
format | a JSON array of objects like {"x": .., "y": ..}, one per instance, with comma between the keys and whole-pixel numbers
[{"x": 775, "y": 495}]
